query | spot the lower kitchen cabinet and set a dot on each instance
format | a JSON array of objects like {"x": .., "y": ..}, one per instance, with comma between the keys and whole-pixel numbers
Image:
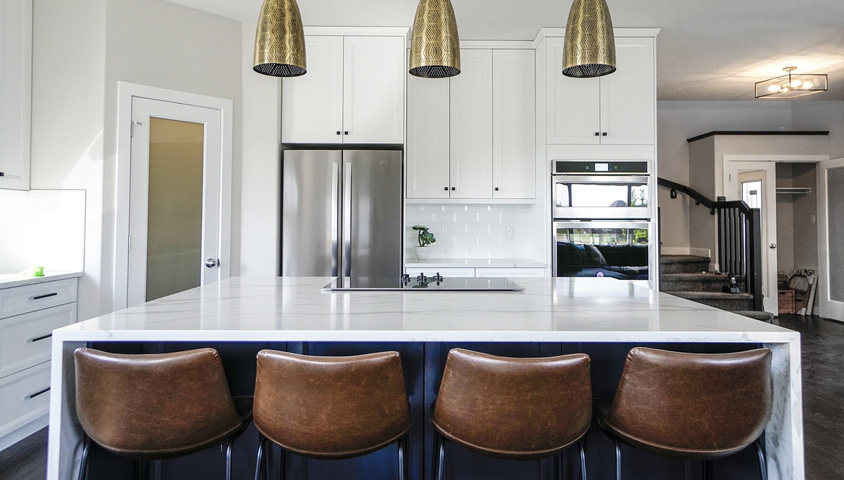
[
  {"x": 510, "y": 272},
  {"x": 28, "y": 316}
]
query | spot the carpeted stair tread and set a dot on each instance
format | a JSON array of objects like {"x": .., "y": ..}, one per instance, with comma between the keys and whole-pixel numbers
[
  {"x": 712, "y": 295},
  {"x": 693, "y": 282},
  {"x": 682, "y": 259},
  {"x": 763, "y": 316},
  {"x": 683, "y": 264}
]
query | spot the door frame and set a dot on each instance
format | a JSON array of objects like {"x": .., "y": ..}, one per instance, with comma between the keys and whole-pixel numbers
[
  {"x": 826, "y": 308},
  {"x": 125, "y": 93}
]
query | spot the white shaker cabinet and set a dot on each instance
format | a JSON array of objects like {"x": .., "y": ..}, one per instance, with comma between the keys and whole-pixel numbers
[
  {"x": 470, "y": 110},
  {"x": 352, "y": 93},
  {"x": 514, "y": 120},
  {"x": 616, "y": 109},
  {"x": 28, "y": 316},
  {"x": 472, "y": 136},
  {"x": 15, "y": 92}
]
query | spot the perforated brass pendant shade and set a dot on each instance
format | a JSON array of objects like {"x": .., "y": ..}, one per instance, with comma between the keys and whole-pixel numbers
[
  {"x": 280, "y": 40},
  {"x": 589, "y": 48},
  {"x": 435, "y": 46}
]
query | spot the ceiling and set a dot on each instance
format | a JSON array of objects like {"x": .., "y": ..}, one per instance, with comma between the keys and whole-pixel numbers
[{"x": 706, "y": 49}]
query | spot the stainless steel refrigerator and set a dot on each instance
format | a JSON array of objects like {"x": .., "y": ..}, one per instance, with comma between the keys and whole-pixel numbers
[{"x": 341, "y": 198}]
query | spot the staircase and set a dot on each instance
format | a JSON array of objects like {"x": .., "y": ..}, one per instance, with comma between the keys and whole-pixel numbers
[{"x": 687, "y": 276}]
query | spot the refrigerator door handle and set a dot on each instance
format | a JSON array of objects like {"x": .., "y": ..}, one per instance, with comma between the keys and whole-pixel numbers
[
  {"x": 335, "y": 219},
  {"x": 347, "y": 219}
]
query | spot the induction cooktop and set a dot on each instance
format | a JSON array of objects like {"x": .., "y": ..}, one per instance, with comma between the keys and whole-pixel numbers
[{"x": 423, "y": 283}]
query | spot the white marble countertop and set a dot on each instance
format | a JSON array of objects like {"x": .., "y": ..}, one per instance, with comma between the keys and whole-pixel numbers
[
  {"x": 549, "y": 309},
  {"x": 9, "y": 280},
  {"x": 473, "y": 262}
]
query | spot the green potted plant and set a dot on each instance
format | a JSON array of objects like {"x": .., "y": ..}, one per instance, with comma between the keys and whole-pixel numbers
[{"x": 425, "y": 238}]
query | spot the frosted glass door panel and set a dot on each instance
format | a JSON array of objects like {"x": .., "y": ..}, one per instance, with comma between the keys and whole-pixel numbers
[
  {"x": 835, "y": 189},
  {"x": 174, "y": 235}
]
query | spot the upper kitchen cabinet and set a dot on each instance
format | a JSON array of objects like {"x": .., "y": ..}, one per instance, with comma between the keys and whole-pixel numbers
[
  {"x": 352, "y": 93},
  {"x": 472, "y": 137},
  {"x": 617, "y": 109},
  {"x": 15, "y": 93}
]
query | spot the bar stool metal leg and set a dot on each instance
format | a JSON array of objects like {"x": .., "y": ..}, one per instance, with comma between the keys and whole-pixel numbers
[
  {"x": 763, "y": 465},
  {"x": 83, "y": 463},
  {"x": 259, "y": 461},
  {"x": 581, "y": 445},
  {"x": 617, "y": 458},
  {"x": 707, "y": 469},
  {"x": 282, "y": 467},
  {"x": 439, "y": 456},
  {"x": 402, "y": 450}
]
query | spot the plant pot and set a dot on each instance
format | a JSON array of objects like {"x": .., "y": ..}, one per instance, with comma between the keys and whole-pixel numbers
[{"x": 422, "y": 253}]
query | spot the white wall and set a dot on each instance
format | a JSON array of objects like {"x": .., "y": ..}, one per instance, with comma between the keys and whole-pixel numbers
[
  {"x": 68, "y": 105},
  {"x": 257, "y": 208},
  {"x": 81, "y": 50},
  {"x": 819, "y": 115},
  {"x": 679, "y": 121}
]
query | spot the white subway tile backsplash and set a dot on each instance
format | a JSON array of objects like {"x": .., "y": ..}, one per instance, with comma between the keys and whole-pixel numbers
[{"x": 471, "y": 231}]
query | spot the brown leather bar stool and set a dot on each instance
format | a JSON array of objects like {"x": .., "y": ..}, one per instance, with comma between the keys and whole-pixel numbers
[
  {"x": 156, "y": 406},
  {"x": 330, "y": 407},
  {"x": 513, "y": 408},
  {"x": 691, "y": 406}
]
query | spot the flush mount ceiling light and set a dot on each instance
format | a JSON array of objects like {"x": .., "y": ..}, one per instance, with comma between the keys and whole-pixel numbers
[
  {"x": 280, "y": 40},
  {"x": 791, "y": 85},
  {"x": 589, "y": 48},
  {"x": 435, "y": 47}
]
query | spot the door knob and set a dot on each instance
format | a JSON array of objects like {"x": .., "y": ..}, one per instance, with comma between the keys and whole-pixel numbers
[
  {"x": 211, "y": 262},
  {"x": 773, "y": 245}
]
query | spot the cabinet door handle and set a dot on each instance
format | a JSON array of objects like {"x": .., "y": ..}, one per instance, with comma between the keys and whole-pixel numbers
[
  {"x": 2, "y": 174},
  {"x": 39, "y": 297},
  {"x": 445, "y": 188},
  {"x": 496, "y": 189},
  {"x": 40, "y": 392},
  {"x": 597, "y": 134},
  {"x": 453, "y": 188},
  {"x": 346, "y": 132},
  {"x": 338, "y": 132},
  {"x": 38, "y": 339},
  {"x": 604, "y": 134}
]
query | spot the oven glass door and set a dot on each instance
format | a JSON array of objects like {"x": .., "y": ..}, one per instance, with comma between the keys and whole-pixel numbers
[
  {"x": 602, "y": 249},
  {"x": 593, "y": 197}
]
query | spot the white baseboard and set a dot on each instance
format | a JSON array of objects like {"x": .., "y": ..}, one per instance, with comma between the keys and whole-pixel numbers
[{"x": 700, "y": 252}]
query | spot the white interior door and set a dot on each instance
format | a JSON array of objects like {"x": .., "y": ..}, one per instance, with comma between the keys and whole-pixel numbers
[
  {"x": 831, "y": 239},
  {"x": 756, "y": 185},
  {"x": 174, "y": 204}
]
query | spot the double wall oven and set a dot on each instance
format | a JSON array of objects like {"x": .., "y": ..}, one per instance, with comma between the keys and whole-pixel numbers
[{"x": 601, "y": 219}]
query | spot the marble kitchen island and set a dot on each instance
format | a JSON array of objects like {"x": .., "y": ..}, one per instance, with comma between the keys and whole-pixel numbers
[{"x": 601, "y": 317}]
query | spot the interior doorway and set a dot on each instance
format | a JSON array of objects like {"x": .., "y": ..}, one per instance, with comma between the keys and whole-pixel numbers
[
  {"x": 756, "y": 184},
  {"x": 831, "y": 238},
  {"x": 174, "y": 192}
]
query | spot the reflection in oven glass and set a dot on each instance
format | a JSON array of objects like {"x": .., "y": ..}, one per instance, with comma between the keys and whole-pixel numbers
[{"x": 620, "y": 253}]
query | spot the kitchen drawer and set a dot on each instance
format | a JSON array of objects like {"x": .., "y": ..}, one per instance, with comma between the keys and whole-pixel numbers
[
  {"x": 515, "y": 272},
  {"x": 444, "y": 271},
  {"x": 25, "y": 339},
  {"x": 24, "y": 397},
  {"x": 28, "y": 298}
]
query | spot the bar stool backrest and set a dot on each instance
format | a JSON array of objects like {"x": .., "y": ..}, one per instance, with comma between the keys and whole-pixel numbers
[
  {"x": 520, "y": 408},
  {"x": 331, "y": 407},
  {"x": 154, "y": 405},
  {"x": 687, "y": 405}
]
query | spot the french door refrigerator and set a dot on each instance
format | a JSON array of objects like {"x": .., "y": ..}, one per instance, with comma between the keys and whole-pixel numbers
[{"x": 341, "y": 213}]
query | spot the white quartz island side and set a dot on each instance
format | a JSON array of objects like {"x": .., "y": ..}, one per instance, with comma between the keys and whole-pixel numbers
[{"x": 566, "y": 310}]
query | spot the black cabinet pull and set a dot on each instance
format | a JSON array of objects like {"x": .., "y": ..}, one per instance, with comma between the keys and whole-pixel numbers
[
  {"x": 346, "y": 132},
  {"x": 338, "y": 132},
  {"x": 38, "y": 339},
  {"x": 39, "y": 297},
  {"x": 445, "y": 188},
  {"x": 453, "y": 188},
  {"x": 40, "y": 392},
  {"x": 496, "y": 189},
  {"x": 2, "y": 174},
  {"x": 597, "y": 134},
  {"x": 604, "y": 134}
]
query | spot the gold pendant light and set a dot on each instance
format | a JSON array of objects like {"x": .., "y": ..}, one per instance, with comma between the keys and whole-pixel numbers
[
  {"x": 589, "y": 48},
  {"x": 280, "y": 40},
  {"x": 435, "y": 45}
]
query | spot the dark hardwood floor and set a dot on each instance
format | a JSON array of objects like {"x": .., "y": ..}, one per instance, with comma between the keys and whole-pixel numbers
[{"x": 823, "y": 406}]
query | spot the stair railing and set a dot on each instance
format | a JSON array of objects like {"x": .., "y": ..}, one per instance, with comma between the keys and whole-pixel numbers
[{"x": 739, "y": 237}]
